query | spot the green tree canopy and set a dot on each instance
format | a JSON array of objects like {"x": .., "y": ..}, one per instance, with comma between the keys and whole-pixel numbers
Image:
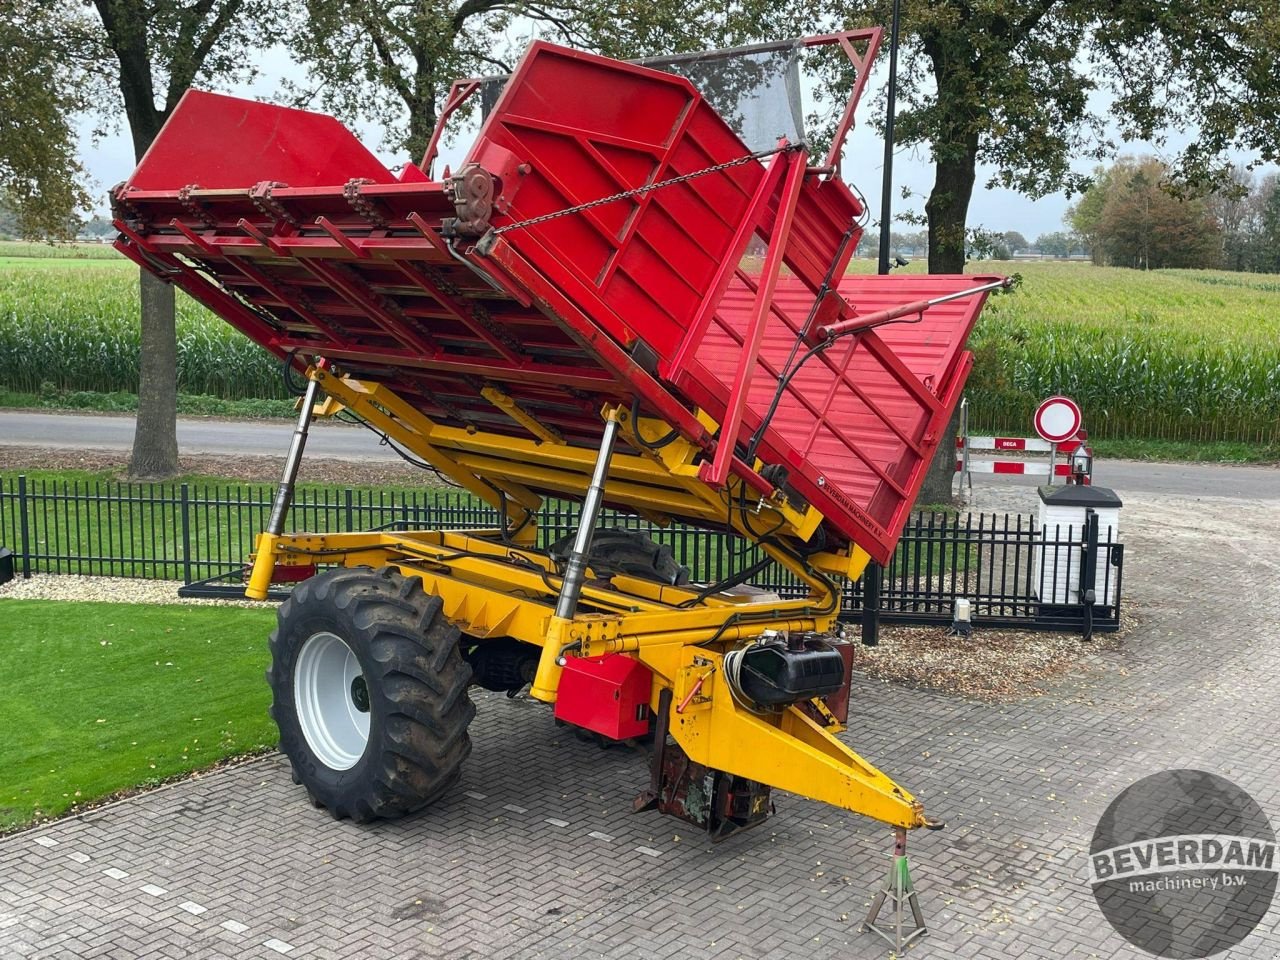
[
  {"x": 1015, "y": 241},
  {"x": 42, "y": 184},
  {"x": 398, "y": 57},
  {"x": 1134, "y": 220},
  {"x": 1016, "y": 85}
]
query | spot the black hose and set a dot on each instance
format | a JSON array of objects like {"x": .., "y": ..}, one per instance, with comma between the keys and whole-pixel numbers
[
  {"x": 292, "y": 387},
  {"x": 635, "y": 429},
  {"x": 784, "y": 377},
  {"x": 742, "y": 576}
]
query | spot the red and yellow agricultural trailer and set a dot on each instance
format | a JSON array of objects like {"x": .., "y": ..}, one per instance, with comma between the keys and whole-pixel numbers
[{"x": 569, "y": 315}]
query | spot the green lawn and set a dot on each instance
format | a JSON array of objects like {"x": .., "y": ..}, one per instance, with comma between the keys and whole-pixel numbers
[{"x": 96, "y": 698}]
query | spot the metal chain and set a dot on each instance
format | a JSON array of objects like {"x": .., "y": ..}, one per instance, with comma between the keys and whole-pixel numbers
[
  {"x": 646, "y": 188},
  {"x": 478, "y": 311}
]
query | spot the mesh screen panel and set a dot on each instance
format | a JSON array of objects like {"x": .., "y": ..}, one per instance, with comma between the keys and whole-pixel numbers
[{"x": 755, "y": 89}]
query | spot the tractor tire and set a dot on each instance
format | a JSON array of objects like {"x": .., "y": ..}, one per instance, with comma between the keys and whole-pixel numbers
[
  {"x": 369, "y": 690},
  {"x": 614, "y": 550}
]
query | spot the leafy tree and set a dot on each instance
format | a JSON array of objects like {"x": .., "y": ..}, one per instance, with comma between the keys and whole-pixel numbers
[
  {"x": 1268, "y": 259},
  {"x": 1231, "y": 207},
  {"x": 97, "y": 228},
  {"x": 143, "y": 56},
  {"x": 1241, "y": 208},
  {"x": 41, "y": 181},
  {"x": 8, "y": 221},
  {"x": 1086, "y": 213},
  {"x": 1057, "y": 244},
  {"x": 399, "y": 57},
  {"x": 1137, "y": 221},
  {"x": 984, "y": 244},
  {"x": 911, "y": 244},
  {"x": 1015, "y": 242},
  {"x": 1008, "y": 83}
]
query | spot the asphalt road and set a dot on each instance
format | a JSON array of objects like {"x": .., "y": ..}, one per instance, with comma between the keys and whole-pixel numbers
[{"x": 345, "y": 442}]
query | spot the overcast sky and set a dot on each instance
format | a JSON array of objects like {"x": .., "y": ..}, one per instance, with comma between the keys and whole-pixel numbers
[{"x": 111, "y": 160}]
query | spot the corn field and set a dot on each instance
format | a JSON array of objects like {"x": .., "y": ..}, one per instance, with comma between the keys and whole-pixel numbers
[
  {"x": 1179, "y": 355},
  {"x": 75, "y": 327}
]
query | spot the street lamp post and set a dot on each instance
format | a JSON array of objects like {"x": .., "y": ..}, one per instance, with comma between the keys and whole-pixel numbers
[
  {"x": 886, "y": 195},
  {"x": 872, "y": 574}
]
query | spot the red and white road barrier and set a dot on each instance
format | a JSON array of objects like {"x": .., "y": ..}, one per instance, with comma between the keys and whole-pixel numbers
[
  {"x": 1017, "y": 467},
  {"x": 1024, "y": 444},
  {"x": 1077, "y": 466}
]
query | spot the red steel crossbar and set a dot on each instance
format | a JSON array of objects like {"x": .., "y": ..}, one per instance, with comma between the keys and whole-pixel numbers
[{"x": 717, "y": 471}]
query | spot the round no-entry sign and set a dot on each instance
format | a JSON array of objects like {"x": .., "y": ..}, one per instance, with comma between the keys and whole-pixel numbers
[{"x": 1057, "y": 419}]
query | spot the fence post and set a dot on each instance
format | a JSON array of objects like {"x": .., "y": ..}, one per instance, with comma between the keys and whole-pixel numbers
[
  {"x": 1089, "y": 570},
  {"x": 186, "y": 534},
  {"x": 26, "y": 533},
  {"x": 349, "y": 514},
  {"x": 871, "y": 605}
]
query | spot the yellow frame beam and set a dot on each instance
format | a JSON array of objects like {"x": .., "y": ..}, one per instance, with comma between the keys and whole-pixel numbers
[{"x": 494, "y": 588}]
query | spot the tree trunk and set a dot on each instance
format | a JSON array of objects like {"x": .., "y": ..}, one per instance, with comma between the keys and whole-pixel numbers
[
  {"x": 155, "y": 438},
  {"x": 948, "y": 211},
  {"x": 941, "y": 475},
  {"x": 948, "y": 206}
]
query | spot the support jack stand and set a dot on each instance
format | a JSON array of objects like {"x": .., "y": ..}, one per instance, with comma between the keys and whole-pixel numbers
[{"x": 901, "y": 893}]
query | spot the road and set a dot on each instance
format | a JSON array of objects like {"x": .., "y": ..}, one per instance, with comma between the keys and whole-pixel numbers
[{"x": 345, "y": 442}]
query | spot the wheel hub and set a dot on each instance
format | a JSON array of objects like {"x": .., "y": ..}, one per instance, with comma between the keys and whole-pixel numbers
[
  {"x": 360, "y": 694},
  {"x": 332, "y": 701}
]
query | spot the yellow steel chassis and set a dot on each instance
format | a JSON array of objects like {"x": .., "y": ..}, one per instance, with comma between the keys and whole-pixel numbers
[{"x": 494, "y": 584}]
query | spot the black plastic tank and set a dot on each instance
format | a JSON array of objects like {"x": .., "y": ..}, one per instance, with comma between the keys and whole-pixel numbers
[{"x": 774, "y": 673}]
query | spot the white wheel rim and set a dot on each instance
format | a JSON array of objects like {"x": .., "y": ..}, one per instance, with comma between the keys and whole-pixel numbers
[{"x": 327, "y": 684}]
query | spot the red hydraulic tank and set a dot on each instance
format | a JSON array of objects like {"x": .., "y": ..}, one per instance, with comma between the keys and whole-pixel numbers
[{"x": 609, "y": 696}]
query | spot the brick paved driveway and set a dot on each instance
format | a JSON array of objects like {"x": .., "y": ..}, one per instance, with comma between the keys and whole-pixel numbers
[{"x": 536, "y": 855}]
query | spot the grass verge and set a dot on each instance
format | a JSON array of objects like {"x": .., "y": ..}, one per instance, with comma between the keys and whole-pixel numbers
[
  {"x": 97, "y": 698},
  {"x": 1187, "y": 451},
  {"x": 189, "y": 405}
]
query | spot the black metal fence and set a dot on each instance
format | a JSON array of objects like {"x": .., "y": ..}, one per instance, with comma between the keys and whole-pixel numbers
[{"x": 1011, "y": 571}]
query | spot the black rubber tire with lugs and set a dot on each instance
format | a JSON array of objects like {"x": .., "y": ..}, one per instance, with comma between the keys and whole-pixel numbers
[{"x": 419, "y": 708}]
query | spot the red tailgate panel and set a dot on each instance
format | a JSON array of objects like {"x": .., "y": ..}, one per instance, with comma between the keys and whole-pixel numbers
[
  {"x": 858, "y": 425},
  {"x": 236, "y": 143},
  {"x": 589, "y": 127}
]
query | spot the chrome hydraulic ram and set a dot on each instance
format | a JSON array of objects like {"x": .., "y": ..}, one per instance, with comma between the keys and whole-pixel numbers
[
  {"x": 264, "y": 554},
  {"x": 853, "y": 324},
  {"x": 575, "y": 571}
]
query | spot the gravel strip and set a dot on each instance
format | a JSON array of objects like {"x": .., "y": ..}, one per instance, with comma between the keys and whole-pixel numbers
[
  {"x": 990, "y": 664},
  {"x": 107, "y": 590}
]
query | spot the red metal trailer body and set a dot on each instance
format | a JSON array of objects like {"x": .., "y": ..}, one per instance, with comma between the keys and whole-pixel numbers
[{"x": 283, "y": 224}]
